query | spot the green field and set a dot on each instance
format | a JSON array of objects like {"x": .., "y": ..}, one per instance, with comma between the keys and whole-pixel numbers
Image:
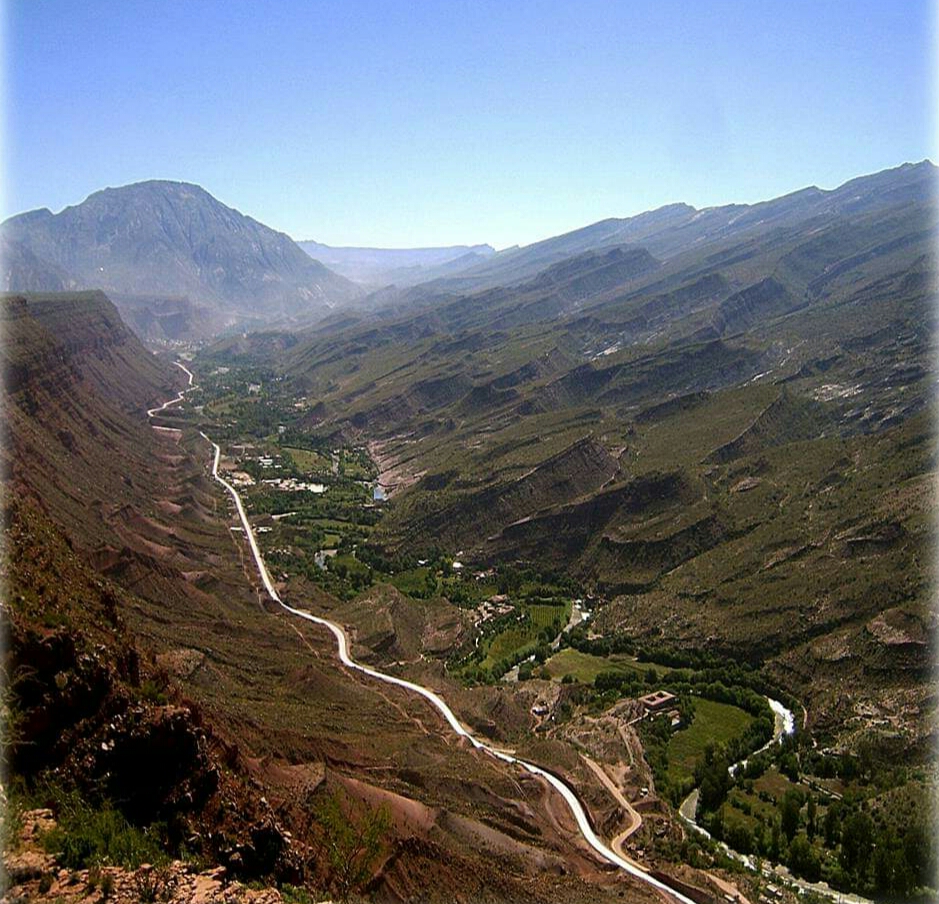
[
  {"x": 717, "y": 722},
  {"x": 506, "y": 644},
  {"x": 542, "y": 616},
  {"x": 309, "y": 462},
  {"x": 513, "y": 640},
  {"x": 412, "y": 582},
  {"x": 585, "y": 666}
]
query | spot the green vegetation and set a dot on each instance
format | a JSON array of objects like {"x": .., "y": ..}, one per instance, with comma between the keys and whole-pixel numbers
[
  {"x": 294, "y": 894},
  {"x": 858, "y": 827},
  {"x": 352, "y": 838},
  {"x": 714, "y": 724},
  {"x": 586, "y": 667},
  {"x": 306, "y": 461},
  {"x": 87, "y": 836},
  {"x": 526, "y": 633}
]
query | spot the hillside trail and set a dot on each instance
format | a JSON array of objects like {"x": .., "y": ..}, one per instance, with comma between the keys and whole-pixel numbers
[{"x": 635, "y": 818}]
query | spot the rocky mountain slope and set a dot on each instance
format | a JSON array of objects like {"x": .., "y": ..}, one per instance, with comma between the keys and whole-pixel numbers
[{"x": 170, "y": 240}]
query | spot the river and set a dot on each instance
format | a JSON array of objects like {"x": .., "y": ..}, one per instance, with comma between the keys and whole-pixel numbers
[{"x": 785, "y": 724}]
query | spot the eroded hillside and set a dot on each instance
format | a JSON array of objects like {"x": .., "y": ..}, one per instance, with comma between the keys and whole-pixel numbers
[
  {"x": 139, "y": 647},
  {"x": 721, "y": 432}
]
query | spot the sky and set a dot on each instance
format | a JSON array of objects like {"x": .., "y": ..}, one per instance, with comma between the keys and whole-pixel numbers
[{"x": 412, "y": 123}]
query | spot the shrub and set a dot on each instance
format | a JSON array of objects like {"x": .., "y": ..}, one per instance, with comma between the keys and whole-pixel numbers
[
  {"x": 352, "y": 837},
  {"x": 153, "y": 692},
  {"x": 154, "y": 884},
  {"x": 86, "y": 837},
  {"x": 293, "y": 894}
]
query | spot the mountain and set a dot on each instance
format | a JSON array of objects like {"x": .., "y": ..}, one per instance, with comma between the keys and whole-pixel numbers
[
  {"x": 136, "y": 646},
  {"x": 402, "y": 266},
  {"x": 706, "y": 433},
  {"x": 723, "y": 428},
  {"x": 23, "y": 270},
  {"x": 171, "y": 240},
  {"x": 676, "y": 228}
]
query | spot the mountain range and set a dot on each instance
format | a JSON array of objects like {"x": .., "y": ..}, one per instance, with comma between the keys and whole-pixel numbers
[
  {"x": 138, "y": 649},
  {"x": 401, "y": 266},
  {"x": 707, "y": 434},
  {"x": 180, "y": 264},
  {"x": 700, "y": 352},
  {"x": 719, "y": 423},
  {"x": 676, "y": 228}
]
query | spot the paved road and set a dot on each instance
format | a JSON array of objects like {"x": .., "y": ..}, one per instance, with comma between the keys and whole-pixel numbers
[{"x": 570, "y": 798}]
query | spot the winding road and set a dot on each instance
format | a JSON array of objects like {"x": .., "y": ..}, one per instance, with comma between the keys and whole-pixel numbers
[
  {"x": 570, "y": 798},
  {"x": 635, "y": 820}
]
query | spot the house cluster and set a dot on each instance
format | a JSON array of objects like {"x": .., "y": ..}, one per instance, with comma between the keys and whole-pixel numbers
[
  {"x": 771, "y": 894},
  {"x": 579, "y": 614},
  {"x": 292, "y": 485},
  {"x": 492, "y": 608}
]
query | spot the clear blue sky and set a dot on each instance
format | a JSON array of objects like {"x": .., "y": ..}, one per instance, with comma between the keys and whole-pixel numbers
[{"x": 413, "y": 123}]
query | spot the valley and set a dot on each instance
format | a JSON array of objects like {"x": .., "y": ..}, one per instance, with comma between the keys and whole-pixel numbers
[{"x": 613, "y": 533}]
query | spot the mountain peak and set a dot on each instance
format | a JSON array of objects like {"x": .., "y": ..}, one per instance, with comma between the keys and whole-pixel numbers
[{"x": 174, "y": 239}]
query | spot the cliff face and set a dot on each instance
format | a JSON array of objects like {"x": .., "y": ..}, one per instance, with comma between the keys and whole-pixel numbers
[
  {"x": 76, "y": 386},
  {"x": 580, "y": 469},
  {"x": 85, "y": 480},
  {"x": 50, "y": 335}
]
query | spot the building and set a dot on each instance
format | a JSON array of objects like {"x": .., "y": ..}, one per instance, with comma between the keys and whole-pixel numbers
[{"x": 657, "y": 701}]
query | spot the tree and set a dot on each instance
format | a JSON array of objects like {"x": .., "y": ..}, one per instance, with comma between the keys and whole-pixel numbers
[
  {"x": 920, "y": 855},
  {"x": 803, "y": 860},
  {"x": 856, "y": 842},
  {"x": 712, "y": 777},
  {"x": 789, "y": 813},
  {"x": 740, "y": 838},
  {"x": 609, "y": 681},
  {"x": 351, "y": 838},
  {"x": 775, "y": 843},
  {"x": 832, "y": 825},
  {"x": 789, "y": 766},
  {"x": 810, "y": 817},
  {"x": 883, "y": 869}
]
